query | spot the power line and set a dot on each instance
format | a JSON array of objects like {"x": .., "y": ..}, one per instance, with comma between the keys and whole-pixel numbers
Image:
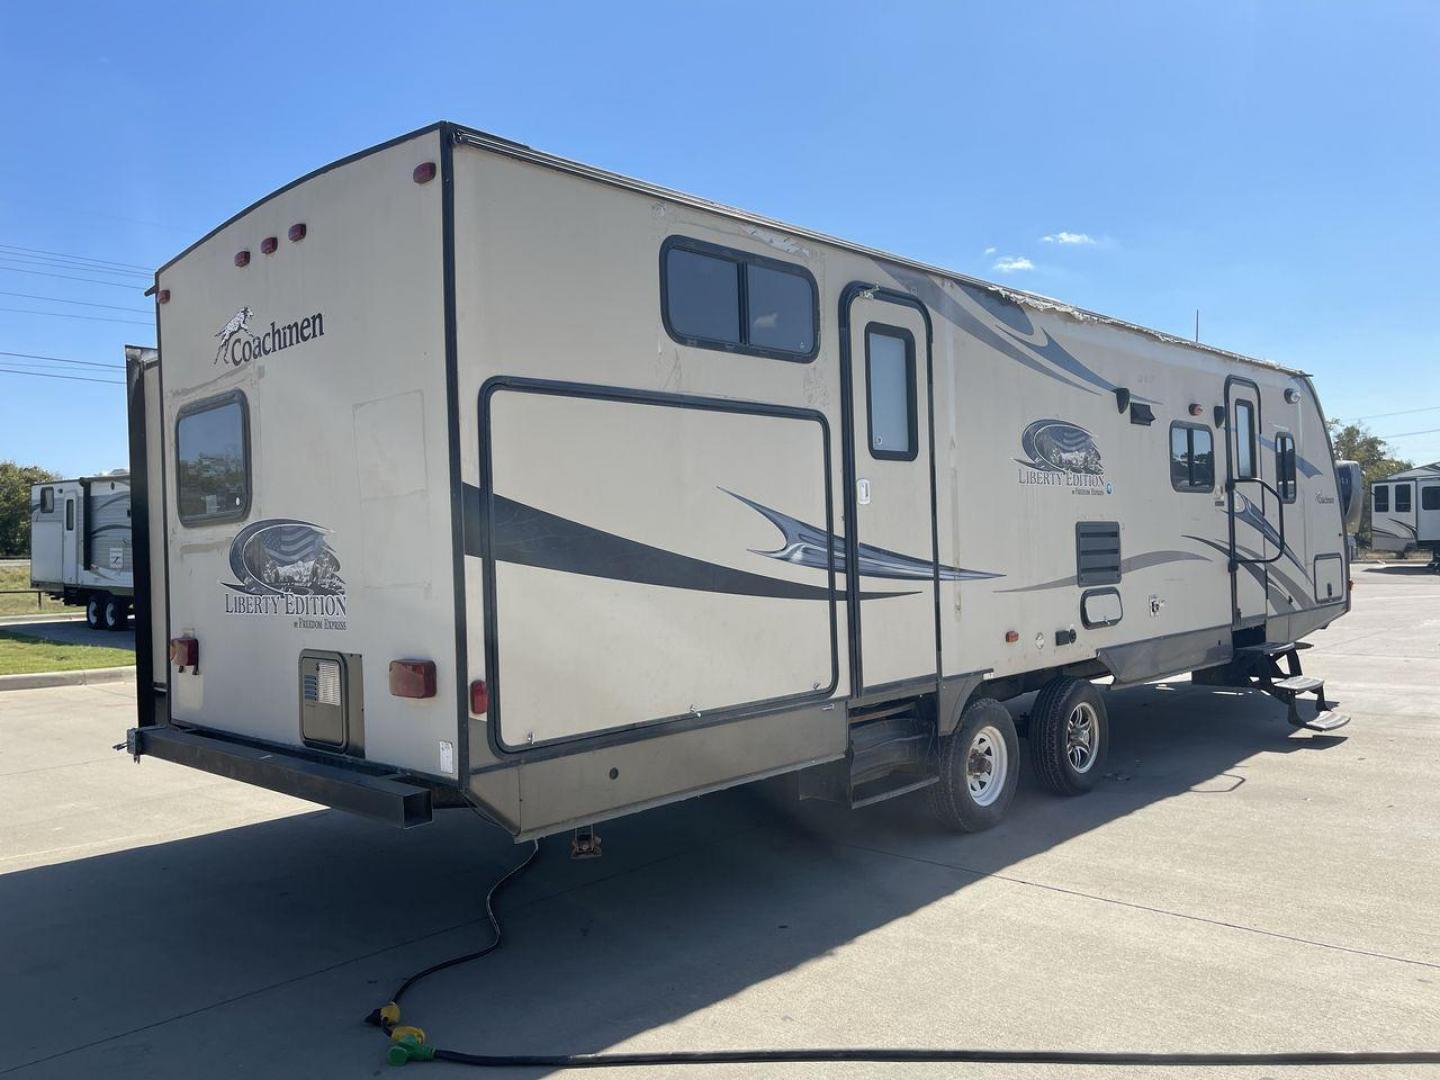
[
  {"x": 71, "y": 264},
  {"x": 59, "y": 360},
  {"x": 67, "y": 315},
  {"x": 1407, "y": 434},
  {"x": 71, "y": 378},
  {"x": 82, "y": 303},
  {"x": 70, "y": 277},
  {"x": 1402, "y": 412},
  {"x": 79, "y": 258}
]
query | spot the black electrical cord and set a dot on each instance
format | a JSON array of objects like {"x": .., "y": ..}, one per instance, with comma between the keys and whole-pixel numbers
[{"x": 413, "y": 1048}]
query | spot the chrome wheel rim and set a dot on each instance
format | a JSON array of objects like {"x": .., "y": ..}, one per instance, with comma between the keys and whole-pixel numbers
[
  {"x": 987, "y": 763},
  {"x": 1082, "y": 736}
]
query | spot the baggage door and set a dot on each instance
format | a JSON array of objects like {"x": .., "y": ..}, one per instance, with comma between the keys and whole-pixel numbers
[
  {"x": 70, "y": 539},
  {"x": 889, "y": 529},
  {"x": 1253, "y": 506}
]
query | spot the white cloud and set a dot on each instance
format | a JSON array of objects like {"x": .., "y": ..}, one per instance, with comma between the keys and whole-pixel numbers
[
  {"x": 1010, "y": 264},
  {"x": 1063, "y": 237},
  {"x": 990, "y": 251}
]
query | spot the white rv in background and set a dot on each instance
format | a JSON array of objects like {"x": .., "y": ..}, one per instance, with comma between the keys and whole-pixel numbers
[
  {"x": 470, "y": 474},
  {"x": 80, "y": 545},
  {"x": 1405, "y": 512}
]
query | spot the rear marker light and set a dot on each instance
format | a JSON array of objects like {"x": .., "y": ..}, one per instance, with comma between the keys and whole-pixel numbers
[
  {"x": 479, "y": 697},
  {"x": 185, "y": 652},
  {"x": 1012, "y": 636},
  {"x": 424, "y": 172},
  {"x": 242, "y": 258},
  {"x": 1196, "y": 409},
  {"x": 412, "y": 678},
  {"x": 297, "y": 232},
  {"x": 268, "y": 245},
  {"x": 163, "y": 296}
]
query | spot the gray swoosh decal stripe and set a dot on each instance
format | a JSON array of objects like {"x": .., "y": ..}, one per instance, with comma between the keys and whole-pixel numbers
[
  {"x": 806, "y": 545},
  {"x": 1258, "y": 573},
  {"x": 1127, "y": 566},
  {"x": 526, "y": 536},
  {"x": 1304, "y": 466}
]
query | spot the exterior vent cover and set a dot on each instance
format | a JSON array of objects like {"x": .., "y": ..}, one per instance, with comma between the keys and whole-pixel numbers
[
  {"x": 1097, "y": 553},
  {"x": 323, "y": 684},
  {"x": 332, "y": 713}
]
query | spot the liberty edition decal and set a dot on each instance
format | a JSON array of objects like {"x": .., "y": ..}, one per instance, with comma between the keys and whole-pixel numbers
[
  {"x": 286, "y": 567},
  {"x": 1061, "y": 454}
]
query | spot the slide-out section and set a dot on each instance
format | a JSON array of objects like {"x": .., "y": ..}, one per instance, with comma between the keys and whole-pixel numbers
[{"x": 655, "y": 558}]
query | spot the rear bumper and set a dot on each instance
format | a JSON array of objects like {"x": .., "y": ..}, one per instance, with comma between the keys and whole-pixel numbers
[{"x": 382, "y": 797}]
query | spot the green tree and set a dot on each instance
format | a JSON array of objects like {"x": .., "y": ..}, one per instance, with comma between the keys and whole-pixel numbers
[
  {"x": 1355, "y": 442},
  {"x": 15, "y": 483}
]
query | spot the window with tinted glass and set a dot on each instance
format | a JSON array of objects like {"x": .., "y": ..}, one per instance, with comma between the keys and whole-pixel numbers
[
  {"x": 47, "y": 500},
  {"x": 890, "y": 391},
  {"x": 1381, "y": 495},
  {"x": 1402, "y": 498},
  {"x": 69, "y": 515},
  {"x": 1430, "y": 497},
  {"x": 212, "y": 460},
  {"x": 719, "y": 298},
  {"x": 1244, "y": 439},
  {"x": 1192, "y": 457},
  {"x": 1285, "y": 466}
]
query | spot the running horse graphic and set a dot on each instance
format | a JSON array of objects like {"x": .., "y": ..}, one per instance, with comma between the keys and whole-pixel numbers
[{"x": 238, "y": 323}]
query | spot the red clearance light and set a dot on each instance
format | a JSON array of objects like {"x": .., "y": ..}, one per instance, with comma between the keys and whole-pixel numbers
[
  {"x": 1196, "y": 410},
  {"x": 242, "y": 258},
  {"x": 163, "y": 296},
  {"x": 185, "y": 652},
  {"x": 412, "y": 678},
  {"x": 1012, "y": 636},
  {"x": 297, "y": 232},
  {"x": 424, "y": 172},
  {"x": 479, "y": 697},
  {"x": 268, "y": 245}
]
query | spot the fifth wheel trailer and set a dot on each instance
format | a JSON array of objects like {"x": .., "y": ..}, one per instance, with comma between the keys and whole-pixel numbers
[
  {"x": 80, "y": 545},
  {"x": 1405, "y": 512},
  {"x": 467, "y": 474}
]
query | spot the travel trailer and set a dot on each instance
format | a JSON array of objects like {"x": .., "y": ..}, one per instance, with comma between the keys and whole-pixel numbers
[
  {"x": 469, "y": 475},
  {"x": 1405, "y": 512},
  {"x": 80, "y": 545}
]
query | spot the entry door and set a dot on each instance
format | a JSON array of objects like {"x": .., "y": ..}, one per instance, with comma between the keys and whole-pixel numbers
[
  {"x": 890, "y": 536},
  {"x": 70, "y": 542},
  {"x": 1250, "y": 506},
  {"x": 1428, "y": 511}
]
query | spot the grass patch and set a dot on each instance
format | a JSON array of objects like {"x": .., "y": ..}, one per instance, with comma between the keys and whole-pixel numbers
[
  {"x": 21, "y": 654},
  {"x": 17, "y": 576}
]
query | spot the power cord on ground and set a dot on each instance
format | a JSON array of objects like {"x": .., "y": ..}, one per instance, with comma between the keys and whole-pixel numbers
[{"x": 408, "y": 1043}]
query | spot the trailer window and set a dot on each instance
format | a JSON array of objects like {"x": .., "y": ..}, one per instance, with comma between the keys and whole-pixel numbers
[
  {"x": 47, "y": 500},
  {"x": 1402, "y": 498},
  {"x": 890, "y": 391},
  {"x": 1192, "y": 457},
  {"x": 1382, "y": 498},
  {"x": 1285, "y": 467},
  {"x": 719, "y": 298},
  {"x": 1430, "y": 497},
  {"x": 212, "y": 460},
  {"x": 1244, "y": 439},
  {"x": 69, "y": 515}
]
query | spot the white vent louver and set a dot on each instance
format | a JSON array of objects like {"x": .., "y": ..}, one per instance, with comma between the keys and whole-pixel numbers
[{"x": 324, "y": 686}]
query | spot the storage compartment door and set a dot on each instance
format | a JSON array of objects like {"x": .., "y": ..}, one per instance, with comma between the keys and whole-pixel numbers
[{"x": 652, "y": 559}]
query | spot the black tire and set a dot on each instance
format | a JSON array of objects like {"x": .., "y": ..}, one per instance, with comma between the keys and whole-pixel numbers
[
  {"x": 95, "y": 611},
  {"x": 1065, "y": 761},
  {"x": 952, "y": 800},
  {"x": 116, "y": 613}
]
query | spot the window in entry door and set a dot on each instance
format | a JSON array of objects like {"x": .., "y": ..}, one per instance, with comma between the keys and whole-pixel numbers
[
  {"x": 890, "y": 392},
  {"x": 1244, "y": 439}
]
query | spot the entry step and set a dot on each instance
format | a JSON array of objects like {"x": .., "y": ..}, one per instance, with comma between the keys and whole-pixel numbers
[
  {"x": 1273, "y": 648},
  {"x": 1299, "y": 684},
  {"x": 1326, "y": 721}
]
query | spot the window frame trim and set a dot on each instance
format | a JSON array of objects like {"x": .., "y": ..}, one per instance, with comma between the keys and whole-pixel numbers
[
  {"x": 1190, "y": 489},
  {"x": 48, "y": 489},
  {"x": 1425, "y": 491},
  {"x": 208, "y": 404},
  {"x": 1376, "y": 489},
  {"x": 1252, "y": 443},
  {"x": 912, "y": 402},
  {"x": 739, "y": 258},
  {"x": 1408, "y": 486},
  {"x": 1294, "y": 480}
]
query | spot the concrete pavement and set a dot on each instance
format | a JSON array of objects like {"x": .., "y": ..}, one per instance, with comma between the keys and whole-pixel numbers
[
  {"x": 70, "y": 630},
  {"x": 1232, "y": 885}
]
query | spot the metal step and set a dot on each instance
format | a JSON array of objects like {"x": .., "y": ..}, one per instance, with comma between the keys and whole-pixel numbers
[
  {"x": 1325, "y": 721},
  {"x": 1298, "y": 684},
  {"x": 1273, "y": 648}
]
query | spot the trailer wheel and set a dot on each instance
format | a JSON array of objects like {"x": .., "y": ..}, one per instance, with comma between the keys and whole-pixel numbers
[
  {"x": 95, "y": 612},
  {"x": 1069, "y": 735},
  {"x": 979, "y": 768},
  {"x": 116, "y": 613}
]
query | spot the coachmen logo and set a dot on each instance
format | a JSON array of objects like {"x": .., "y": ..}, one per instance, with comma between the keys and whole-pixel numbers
[
  {"x": 1061, "y": 454},
  {"x": 284, "y": 566},
  {"x": 239, "y": 344}
]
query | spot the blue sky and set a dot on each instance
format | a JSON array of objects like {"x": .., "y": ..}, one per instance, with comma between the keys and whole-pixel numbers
[{"x": 1275, "y": 165}]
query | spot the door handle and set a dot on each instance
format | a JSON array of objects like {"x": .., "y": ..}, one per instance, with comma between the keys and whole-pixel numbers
[{"x": 862, "y": 492}]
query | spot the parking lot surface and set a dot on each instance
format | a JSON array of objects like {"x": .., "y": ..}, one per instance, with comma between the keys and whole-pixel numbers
[{"x": 1232, "y": 885}]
